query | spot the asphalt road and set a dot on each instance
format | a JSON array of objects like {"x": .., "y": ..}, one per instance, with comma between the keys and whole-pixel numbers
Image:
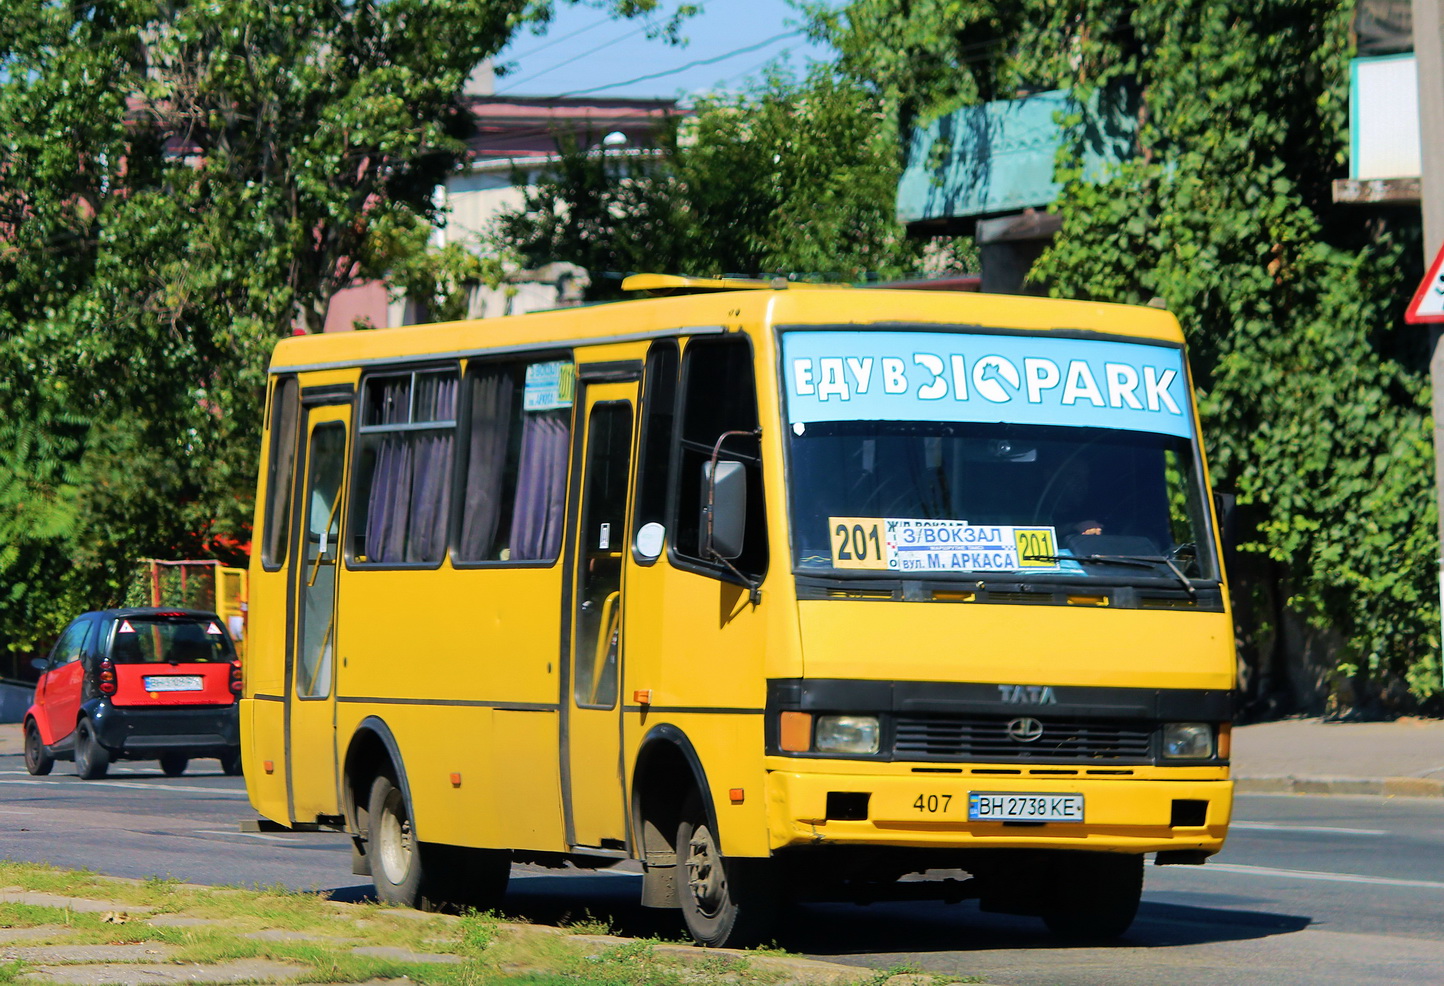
[{"x": 1310, "y": 889}]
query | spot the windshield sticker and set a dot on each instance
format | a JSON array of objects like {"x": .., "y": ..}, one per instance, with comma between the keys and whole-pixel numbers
[
  {"x": 213, "y": 629},
  {"x": 549, "y": 386},
  {"x": 902, "y": 545},
  {"x": 954, "y": 376}
]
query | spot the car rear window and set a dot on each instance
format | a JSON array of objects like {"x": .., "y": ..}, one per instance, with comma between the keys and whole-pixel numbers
[{"x": 169, "y": 640}]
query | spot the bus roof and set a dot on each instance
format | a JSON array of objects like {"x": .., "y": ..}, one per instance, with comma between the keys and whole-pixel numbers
[{"x": 722, "y": 310}]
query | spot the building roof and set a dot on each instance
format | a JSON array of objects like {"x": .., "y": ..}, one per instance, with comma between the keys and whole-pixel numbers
[{"x": 521, "y": 127}]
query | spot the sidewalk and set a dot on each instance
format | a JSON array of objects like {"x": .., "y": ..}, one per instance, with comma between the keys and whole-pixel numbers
[{"x": 1404, "y": 758}]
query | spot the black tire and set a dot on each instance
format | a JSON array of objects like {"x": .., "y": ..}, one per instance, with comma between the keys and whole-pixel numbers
[
  {"x": 174, "y": 764},
  {"x": 37, "y": 755},
  {"x": 231, "y": 763},
  {"x": 1095, "y": 896},
  {"x": 91, "y": 759},
  {"x": 725, "y": 902},
  {"x": 423, "y": 875}
]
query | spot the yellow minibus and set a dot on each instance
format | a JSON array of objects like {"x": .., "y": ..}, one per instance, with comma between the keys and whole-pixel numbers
[{"x": 782, "y": 593}]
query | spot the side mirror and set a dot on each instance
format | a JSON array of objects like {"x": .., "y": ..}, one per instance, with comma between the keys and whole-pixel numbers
[
  {"x": 39, "y": 664},
  {"x": 727, "y": 493}
]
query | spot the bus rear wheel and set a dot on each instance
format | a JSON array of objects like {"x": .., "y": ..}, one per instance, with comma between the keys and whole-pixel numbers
[
  {"x": 1094, "y": 896},
  {"x": 422, "y": 875},
  {"x": 724, "y": 902}
]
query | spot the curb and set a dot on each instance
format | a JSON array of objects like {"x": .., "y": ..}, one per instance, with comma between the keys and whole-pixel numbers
[{"x": 1387, "y": 787}]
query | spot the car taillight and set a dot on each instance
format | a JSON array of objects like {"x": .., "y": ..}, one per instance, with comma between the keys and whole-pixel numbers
[
  {"x": 107, "y": 677},
  {"x": 236, "y": 685}
]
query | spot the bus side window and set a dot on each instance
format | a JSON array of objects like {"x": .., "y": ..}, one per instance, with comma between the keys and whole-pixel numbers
[
  {"x": 654, "y": 464},
  {"x": 718, "y": 395},
  {"x": 285, "y": 410},
  {"x": 514, "y": 463},
  {"x": 403, "y": 483}
]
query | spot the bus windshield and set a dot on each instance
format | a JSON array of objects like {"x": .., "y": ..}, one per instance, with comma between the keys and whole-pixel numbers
[
  {"x": 934, "y": 497},
  {"x": 937, "y": 452}
]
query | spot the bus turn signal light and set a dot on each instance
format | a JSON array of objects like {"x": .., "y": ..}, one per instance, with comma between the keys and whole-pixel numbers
[
  {"x": 795, "y": 735},
  {"x": 642, "y": 696}
]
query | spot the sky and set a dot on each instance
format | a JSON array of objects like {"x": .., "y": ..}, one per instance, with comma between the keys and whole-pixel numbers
[{"x": 584, "y": 52}]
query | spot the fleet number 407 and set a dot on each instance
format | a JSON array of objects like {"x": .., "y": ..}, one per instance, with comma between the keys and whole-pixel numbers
[{"x": 933, "y": 804}]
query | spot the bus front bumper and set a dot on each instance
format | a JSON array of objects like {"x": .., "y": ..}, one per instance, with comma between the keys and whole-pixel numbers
[{"x": 1122, "y": 814}]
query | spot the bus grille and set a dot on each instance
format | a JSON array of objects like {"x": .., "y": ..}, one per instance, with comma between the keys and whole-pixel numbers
[{"x": 983, "y": 739}]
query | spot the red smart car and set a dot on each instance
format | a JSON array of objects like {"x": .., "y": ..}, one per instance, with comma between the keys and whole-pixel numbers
[{"x": 136, "y": 684}]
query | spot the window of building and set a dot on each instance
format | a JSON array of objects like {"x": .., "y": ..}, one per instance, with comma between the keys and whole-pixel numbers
[{"x": 403, "y": 477}]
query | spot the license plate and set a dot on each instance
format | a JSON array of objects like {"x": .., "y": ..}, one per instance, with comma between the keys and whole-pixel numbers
[
  {"x": 992, "y": 806},
  {"x": 172, "y": 682}
]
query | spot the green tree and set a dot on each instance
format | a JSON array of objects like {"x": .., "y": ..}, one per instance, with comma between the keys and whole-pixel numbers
[
  {"x": 788, "y": 176},
  {"x": 182, "y": 183},
  {"x": 1314, "y": 399}
]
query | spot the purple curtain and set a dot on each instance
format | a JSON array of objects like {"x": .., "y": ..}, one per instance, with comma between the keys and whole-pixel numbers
[
  {"x": 410, "y": 493},
  {"x": 492, "y": 393},
  {"x": 536, "y": 529}
]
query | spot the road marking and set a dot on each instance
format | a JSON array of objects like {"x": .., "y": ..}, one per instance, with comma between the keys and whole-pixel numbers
[
  {"x": 247, "y": 835},
  {"x": 61, "y": 784},
  {"x": 1378, "y": 881},
  {"x": 1288, "y": 827}
]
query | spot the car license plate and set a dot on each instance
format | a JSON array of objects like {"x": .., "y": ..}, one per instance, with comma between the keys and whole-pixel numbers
[
  {"x": 994, "y": 806},
  {"x": 172, "y": 682}
]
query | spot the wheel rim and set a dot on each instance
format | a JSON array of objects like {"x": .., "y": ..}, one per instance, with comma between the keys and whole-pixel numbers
[
  {"x": 395, "y": 848},
  {"x": 704, "y": 872}
]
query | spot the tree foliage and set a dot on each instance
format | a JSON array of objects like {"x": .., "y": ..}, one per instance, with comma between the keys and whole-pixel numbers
[
  {"x": 787, "y": 176},
  {"x": 181, "y": 183},
  {"x": 1313, "y": 395}
]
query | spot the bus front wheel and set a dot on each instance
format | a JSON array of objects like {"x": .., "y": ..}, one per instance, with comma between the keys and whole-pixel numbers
[
  {"x": 1095, "y": 896},
  {"x": 724, "y": 902}
]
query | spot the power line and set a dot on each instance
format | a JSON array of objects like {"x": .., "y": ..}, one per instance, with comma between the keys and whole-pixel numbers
[
  {"x": 565, "y": 37},
  {"x": 682, "y": 68},
  {"x": 591, "y": 51}
]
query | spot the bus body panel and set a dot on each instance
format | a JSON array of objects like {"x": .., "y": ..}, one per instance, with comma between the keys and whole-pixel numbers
[
  {"x": 483, "y": 635},
  {"x": 263, "y": 742},
  {"x": 1121, "y": 814},
  {"x": 1022, "y": 644},
  {"x": 468, "y": 790}
]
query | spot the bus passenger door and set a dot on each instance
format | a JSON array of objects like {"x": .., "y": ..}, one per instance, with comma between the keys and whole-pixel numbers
[
  {"x": 592, "y": 729},
  {"x": 311, "y": 645}
]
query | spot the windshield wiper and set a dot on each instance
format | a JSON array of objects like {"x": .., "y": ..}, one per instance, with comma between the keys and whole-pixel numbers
[{"x": 1137, "y": 561}]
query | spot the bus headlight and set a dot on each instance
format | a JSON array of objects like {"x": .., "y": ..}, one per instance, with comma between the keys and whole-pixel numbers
[
  {"x": 847, "y": 734},
  {"x": 1187, "y": 740}
]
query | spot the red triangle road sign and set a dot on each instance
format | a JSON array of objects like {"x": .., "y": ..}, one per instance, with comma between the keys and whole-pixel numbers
[{"x": 1428, "y": 303}]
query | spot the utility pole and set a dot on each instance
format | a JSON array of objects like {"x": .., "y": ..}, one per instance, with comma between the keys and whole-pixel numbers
[{"x": 1429, "y": 61}]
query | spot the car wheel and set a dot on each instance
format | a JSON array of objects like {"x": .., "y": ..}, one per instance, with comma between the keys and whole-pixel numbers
[
  {"x": 91, "y": 759},
  {"x": 725, "y": 902},
  {"x": 174, "y": 764},
  {"x": 231, "y": 763},
  {"x": 37, "y": 756}
]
